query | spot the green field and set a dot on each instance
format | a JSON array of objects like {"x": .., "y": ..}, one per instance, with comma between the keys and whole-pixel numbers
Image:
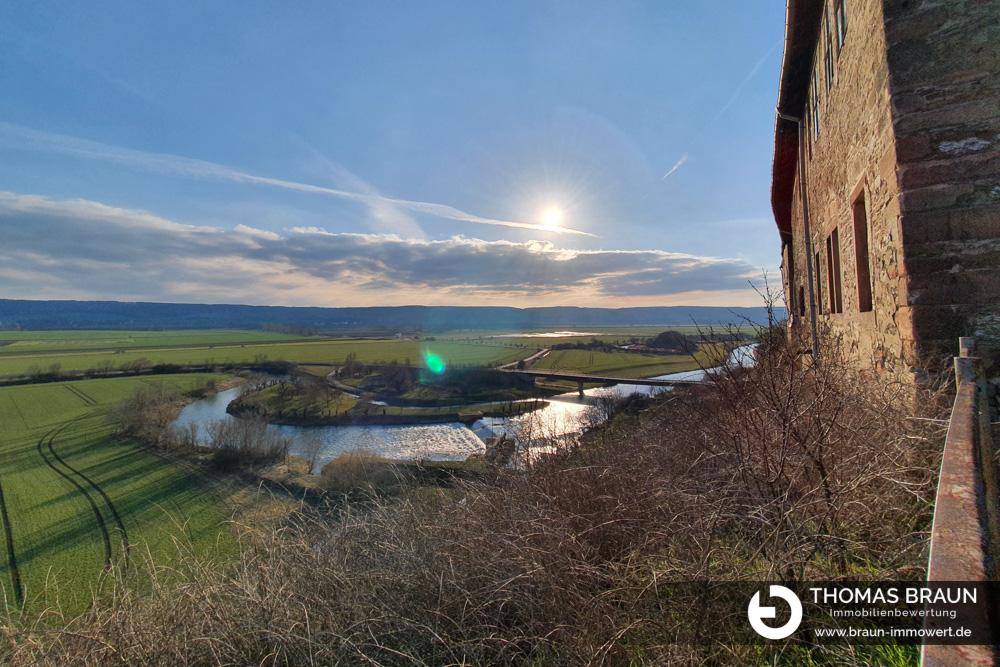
[
  {"x": 616, "y": 364},
  {"x": 72, "y": 491},
  {"x": 455, "y": 353},
  {"x": 21, "y": 342}
]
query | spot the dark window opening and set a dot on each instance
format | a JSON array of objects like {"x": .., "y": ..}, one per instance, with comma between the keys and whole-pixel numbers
[
  {"x": 818, "y": 281},
  {"x": 840, "y": 17},
  {"x": 828, "y": 52},
  {"x": 808, "y": 132},
  {"x": 833, "y": 272},
  {"x": 802, "y": 301},
  {"x": 862, "y": 260},
  {"x": 815, "y": 108}
]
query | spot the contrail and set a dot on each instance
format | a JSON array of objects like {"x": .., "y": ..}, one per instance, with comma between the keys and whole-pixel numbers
[
  {"x": 677, "y": 165},
  {"x": 18, "y": 136},
  {"x": 738, "y": 90}
]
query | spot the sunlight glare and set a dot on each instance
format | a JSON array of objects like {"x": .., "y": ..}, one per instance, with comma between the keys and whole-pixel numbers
[{"x": 552, "y": 217}]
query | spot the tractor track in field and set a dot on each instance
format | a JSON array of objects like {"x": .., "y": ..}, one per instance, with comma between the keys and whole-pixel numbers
[
  {"x": 126, "y": 547},
  {"x": 79, "y": 394},
  {"x": 106, "y": 537},
  {"x": 15, "y": 574}
]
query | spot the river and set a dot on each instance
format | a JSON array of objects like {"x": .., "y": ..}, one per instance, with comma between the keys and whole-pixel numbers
[{"x": 565, "y": 414}]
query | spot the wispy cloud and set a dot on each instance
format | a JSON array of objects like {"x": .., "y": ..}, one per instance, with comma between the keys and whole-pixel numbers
[
  {"x": 677, "y": 165},
  {"x": 85, "y": 249},
  {"x": 383, "y": 215},
  {"x": 27, "y": 138}
]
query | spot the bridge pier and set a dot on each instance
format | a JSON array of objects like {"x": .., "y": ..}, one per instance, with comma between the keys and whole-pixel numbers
[{"x": 579, "y": 388}]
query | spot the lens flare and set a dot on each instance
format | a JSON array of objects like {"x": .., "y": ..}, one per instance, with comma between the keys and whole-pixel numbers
[{"x": 435, "y": 364}]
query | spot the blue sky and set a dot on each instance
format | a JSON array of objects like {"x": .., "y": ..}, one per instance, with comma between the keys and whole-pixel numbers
[{"x": 368, "y": 153}]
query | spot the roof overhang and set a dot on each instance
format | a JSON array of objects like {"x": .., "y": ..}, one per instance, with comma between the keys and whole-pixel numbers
[{"x": 802, "y": 23}]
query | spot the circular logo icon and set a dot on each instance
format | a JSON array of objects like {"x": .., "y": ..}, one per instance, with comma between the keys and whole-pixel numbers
[{"x": 756, "y": 613}]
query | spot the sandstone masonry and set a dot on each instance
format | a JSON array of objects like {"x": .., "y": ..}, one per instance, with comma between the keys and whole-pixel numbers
[{"x": 897, "y": 103}]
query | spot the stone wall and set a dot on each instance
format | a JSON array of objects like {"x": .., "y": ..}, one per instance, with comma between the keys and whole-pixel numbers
[
  {"x": 912, "y": 121},
  {"x": 855, "y": 153},
  {"x": 944, "y": 59}
]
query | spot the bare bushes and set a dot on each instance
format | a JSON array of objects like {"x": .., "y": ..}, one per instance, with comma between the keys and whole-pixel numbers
[
  {"x": 359, "y": 472},
  {"x": 819, "y": 464},
  {"x": 238, "y": 442},
  {"x": 146, "y": 415}
]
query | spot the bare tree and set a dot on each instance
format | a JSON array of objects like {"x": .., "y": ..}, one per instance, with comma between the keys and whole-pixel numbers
[
  {"x": 246, "y": 441},
  {"x": 311, "y": 447}
]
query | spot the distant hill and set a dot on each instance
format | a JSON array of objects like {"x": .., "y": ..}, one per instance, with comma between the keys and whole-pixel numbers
[{"x": 24, "y": 314}]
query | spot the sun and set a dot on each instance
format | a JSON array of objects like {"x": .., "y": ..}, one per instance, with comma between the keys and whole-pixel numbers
[{"x": 552, "y": 217}]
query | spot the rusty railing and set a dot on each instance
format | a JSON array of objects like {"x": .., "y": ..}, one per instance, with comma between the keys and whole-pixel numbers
[{"x": 964, "y": 537}]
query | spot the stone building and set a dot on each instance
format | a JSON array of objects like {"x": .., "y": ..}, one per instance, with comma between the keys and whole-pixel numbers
[{"x": 886, "y": 176}]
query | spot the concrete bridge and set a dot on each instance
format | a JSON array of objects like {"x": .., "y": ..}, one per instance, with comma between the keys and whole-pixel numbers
[{"x": 583, "y": 378}]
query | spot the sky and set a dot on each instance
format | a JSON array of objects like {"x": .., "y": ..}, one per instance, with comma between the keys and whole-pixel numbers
[{"x": 536, "y": 153}]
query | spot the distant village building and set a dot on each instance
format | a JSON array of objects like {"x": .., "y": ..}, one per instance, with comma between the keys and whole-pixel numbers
[{"x": 886, "y": 176}]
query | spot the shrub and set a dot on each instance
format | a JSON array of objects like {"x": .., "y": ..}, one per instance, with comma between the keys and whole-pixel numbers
[
  {"x": 360, "y": 472},
  {"x": 146, "y": 414},
  {"x": 238, "y": 441}
]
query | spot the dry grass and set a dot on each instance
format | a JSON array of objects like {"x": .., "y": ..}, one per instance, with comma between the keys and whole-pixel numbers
[
  {"x": 359, "y": 472},
  {"x": 779, "y": 471}
]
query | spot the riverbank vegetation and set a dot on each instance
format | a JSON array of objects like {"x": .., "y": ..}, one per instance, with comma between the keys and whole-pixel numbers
[
  {"x": 361, "y": 475},
  {"x": 307, "y": 400},
  {"x": 408, "y": 385},
  {"x": 784, "y": 471}
]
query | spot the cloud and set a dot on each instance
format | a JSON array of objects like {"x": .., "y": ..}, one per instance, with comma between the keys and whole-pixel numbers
[
  {"x": 84, "y": 249},
  {"x": 677, "y": 165},
  {"x": 384, "y": 216},
  {"x": 26, "y": 138}
]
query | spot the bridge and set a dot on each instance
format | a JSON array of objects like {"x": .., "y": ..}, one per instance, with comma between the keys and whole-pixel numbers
[{"x": 583, "y": 378}]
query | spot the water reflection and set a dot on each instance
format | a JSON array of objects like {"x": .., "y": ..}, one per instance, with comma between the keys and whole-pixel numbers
[
  {"x": 565, "y": 415},
  {"x": 448, "y": 442}
]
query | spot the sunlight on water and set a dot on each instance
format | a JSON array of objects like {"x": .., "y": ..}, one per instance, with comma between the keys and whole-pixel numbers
[
  {"x": 566, "y": 415},
  {"x": 546, "y": 334},
  {"x": 450, "y": 442}
]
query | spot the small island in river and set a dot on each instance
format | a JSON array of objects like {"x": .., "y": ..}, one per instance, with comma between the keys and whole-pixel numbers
[{"x": 388, "y": 394}]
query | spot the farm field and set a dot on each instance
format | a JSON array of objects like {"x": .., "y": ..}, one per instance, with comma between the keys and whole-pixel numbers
[
  {"x": 617, "y": 364},
  {"x": 455, "y": 353},
  {"x": 73, "y": 494},
  {"x": 28, "y": 342}
]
